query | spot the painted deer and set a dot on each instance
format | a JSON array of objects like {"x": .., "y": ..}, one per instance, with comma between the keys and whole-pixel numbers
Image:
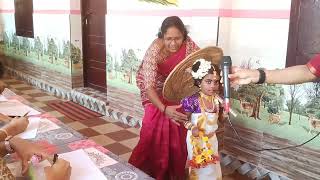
[
  {"x": 274, "y": 119},
  {"x": 245, "y": 106},
  {"x": 125, "y": 77},
  {"x": 314, "y": 123}
]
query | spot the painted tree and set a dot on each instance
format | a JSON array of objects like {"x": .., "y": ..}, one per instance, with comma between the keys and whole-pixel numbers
[
  {"x": 38, "y": 47},
  {"x": 299, "y": 108},
  {"x": 75, "y": 54},
  {"x": 109, "y": 62},
  {"x": 313, "y": 90},
  {"x": 272, "y": 107},
  {"x": 15, "y": 43},
  {"x": 254, "y": 94},
  {"x": 6, "y": 40},
  {"x": 124, "y": 61},
  {"x": 26, "y": 45},
  {"x": 313, "y": 103},
  {"x": 294, "y": 94},
  {"x": 130, "y": 63},
  {"x": 46, "y": 52},
  {"x": 109, "y": 65},
  {"x": 49, "y": 50},
  {"x": 66, "y": 52},
  {"x": 266, "y": 100},
  {"x": 312, "y": 106},
  {"x": 250, "y": 63},
  {"x": 117, "y": 67},
  {"x": 317, "y": 115},
  {"x": 52, "y": 51},
  {"x": 276, "y": 98}
]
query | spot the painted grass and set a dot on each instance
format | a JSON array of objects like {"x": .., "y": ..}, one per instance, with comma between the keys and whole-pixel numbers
[{"x": 297, "y": 132}]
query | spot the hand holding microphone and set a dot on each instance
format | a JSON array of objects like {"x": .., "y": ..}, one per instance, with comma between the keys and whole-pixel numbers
[{"x": 225, "y": 68}]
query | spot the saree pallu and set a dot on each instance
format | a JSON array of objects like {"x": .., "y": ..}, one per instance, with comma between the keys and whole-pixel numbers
[{"x": 155, "y": 66}]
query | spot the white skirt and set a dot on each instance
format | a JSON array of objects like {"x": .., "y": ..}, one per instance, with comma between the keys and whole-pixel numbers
[{"x": 211, "y": 171}]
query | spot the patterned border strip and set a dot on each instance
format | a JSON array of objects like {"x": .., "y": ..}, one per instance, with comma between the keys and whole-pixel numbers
[
  {"x": 59, "y": 92},
  {"x": 80, "y": 98},
  {"x": 248, "y": 169},
  {"x": 103, "y": 108},
  {"x": 89, "y": 102}
]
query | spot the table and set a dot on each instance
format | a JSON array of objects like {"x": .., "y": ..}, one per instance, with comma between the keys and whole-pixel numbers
[{"x": 57, "y": 137}]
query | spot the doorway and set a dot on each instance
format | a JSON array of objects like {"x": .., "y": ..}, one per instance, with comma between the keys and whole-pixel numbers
[{"x": 93, "y": 13}]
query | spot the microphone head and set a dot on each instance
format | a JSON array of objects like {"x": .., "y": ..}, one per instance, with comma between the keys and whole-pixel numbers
[
  {"x": 225, "y": 67},
  {"x": 226, "y": 61}
]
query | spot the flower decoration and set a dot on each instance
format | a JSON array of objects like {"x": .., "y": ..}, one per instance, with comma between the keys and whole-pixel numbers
[{"x": 203, "y": 69}]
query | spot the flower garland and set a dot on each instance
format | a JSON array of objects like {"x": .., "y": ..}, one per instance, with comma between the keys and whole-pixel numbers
[{"x": 203, "y": 153}]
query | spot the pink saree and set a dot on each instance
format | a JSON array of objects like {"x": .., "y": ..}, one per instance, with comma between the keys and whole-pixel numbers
[{"x": 161, "y": 151}]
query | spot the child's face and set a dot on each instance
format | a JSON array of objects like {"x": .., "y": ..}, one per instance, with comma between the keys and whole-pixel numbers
[{"x": 210, "y": 84}]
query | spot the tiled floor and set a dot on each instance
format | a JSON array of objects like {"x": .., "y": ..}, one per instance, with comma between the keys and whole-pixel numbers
[{"x": 114, "y": 136}]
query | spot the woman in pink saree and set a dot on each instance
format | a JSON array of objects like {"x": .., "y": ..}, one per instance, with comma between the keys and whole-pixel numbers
[{"x": 161, "y": 151}]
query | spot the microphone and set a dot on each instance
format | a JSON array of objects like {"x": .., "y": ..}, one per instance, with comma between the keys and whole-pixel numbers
[{"x": 225, "y": 67}]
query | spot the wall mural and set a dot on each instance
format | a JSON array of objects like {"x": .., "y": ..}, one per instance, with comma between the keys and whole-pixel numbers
[
  {"x": 287, "y": 111},
  {"x": 53, "y": 56},
  {"x": 127, "y": 42},
  {"x": 43, "y": 51},
  {"x": 121, "y": 71}
]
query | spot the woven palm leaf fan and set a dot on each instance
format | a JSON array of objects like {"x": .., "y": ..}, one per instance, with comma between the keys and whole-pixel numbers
[{"x": 180, "y": 84}]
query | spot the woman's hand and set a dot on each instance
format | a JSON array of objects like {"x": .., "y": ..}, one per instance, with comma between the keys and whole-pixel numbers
[
  {"x": 174, "y": 115},
  {"x": 60, "y": 170},
  {"x": 16, "y": 125},
  {"x": 25, "y": 150},
  {"x": 240, "y": 76}
]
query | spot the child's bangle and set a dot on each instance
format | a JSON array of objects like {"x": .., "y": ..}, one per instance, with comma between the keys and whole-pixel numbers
[
  {"x": 192, "y": 127},
  {"x": 188, "y": 125}
]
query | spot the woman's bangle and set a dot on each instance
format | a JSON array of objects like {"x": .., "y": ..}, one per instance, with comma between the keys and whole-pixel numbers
[{"x": 262, "y": 76}]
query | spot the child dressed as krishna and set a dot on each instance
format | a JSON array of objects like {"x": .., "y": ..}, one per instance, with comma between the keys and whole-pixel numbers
[{"x": 203, "y": 108}]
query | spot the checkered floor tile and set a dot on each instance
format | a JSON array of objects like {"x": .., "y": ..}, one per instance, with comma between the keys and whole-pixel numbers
[{"x": 114, "y": 136}]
